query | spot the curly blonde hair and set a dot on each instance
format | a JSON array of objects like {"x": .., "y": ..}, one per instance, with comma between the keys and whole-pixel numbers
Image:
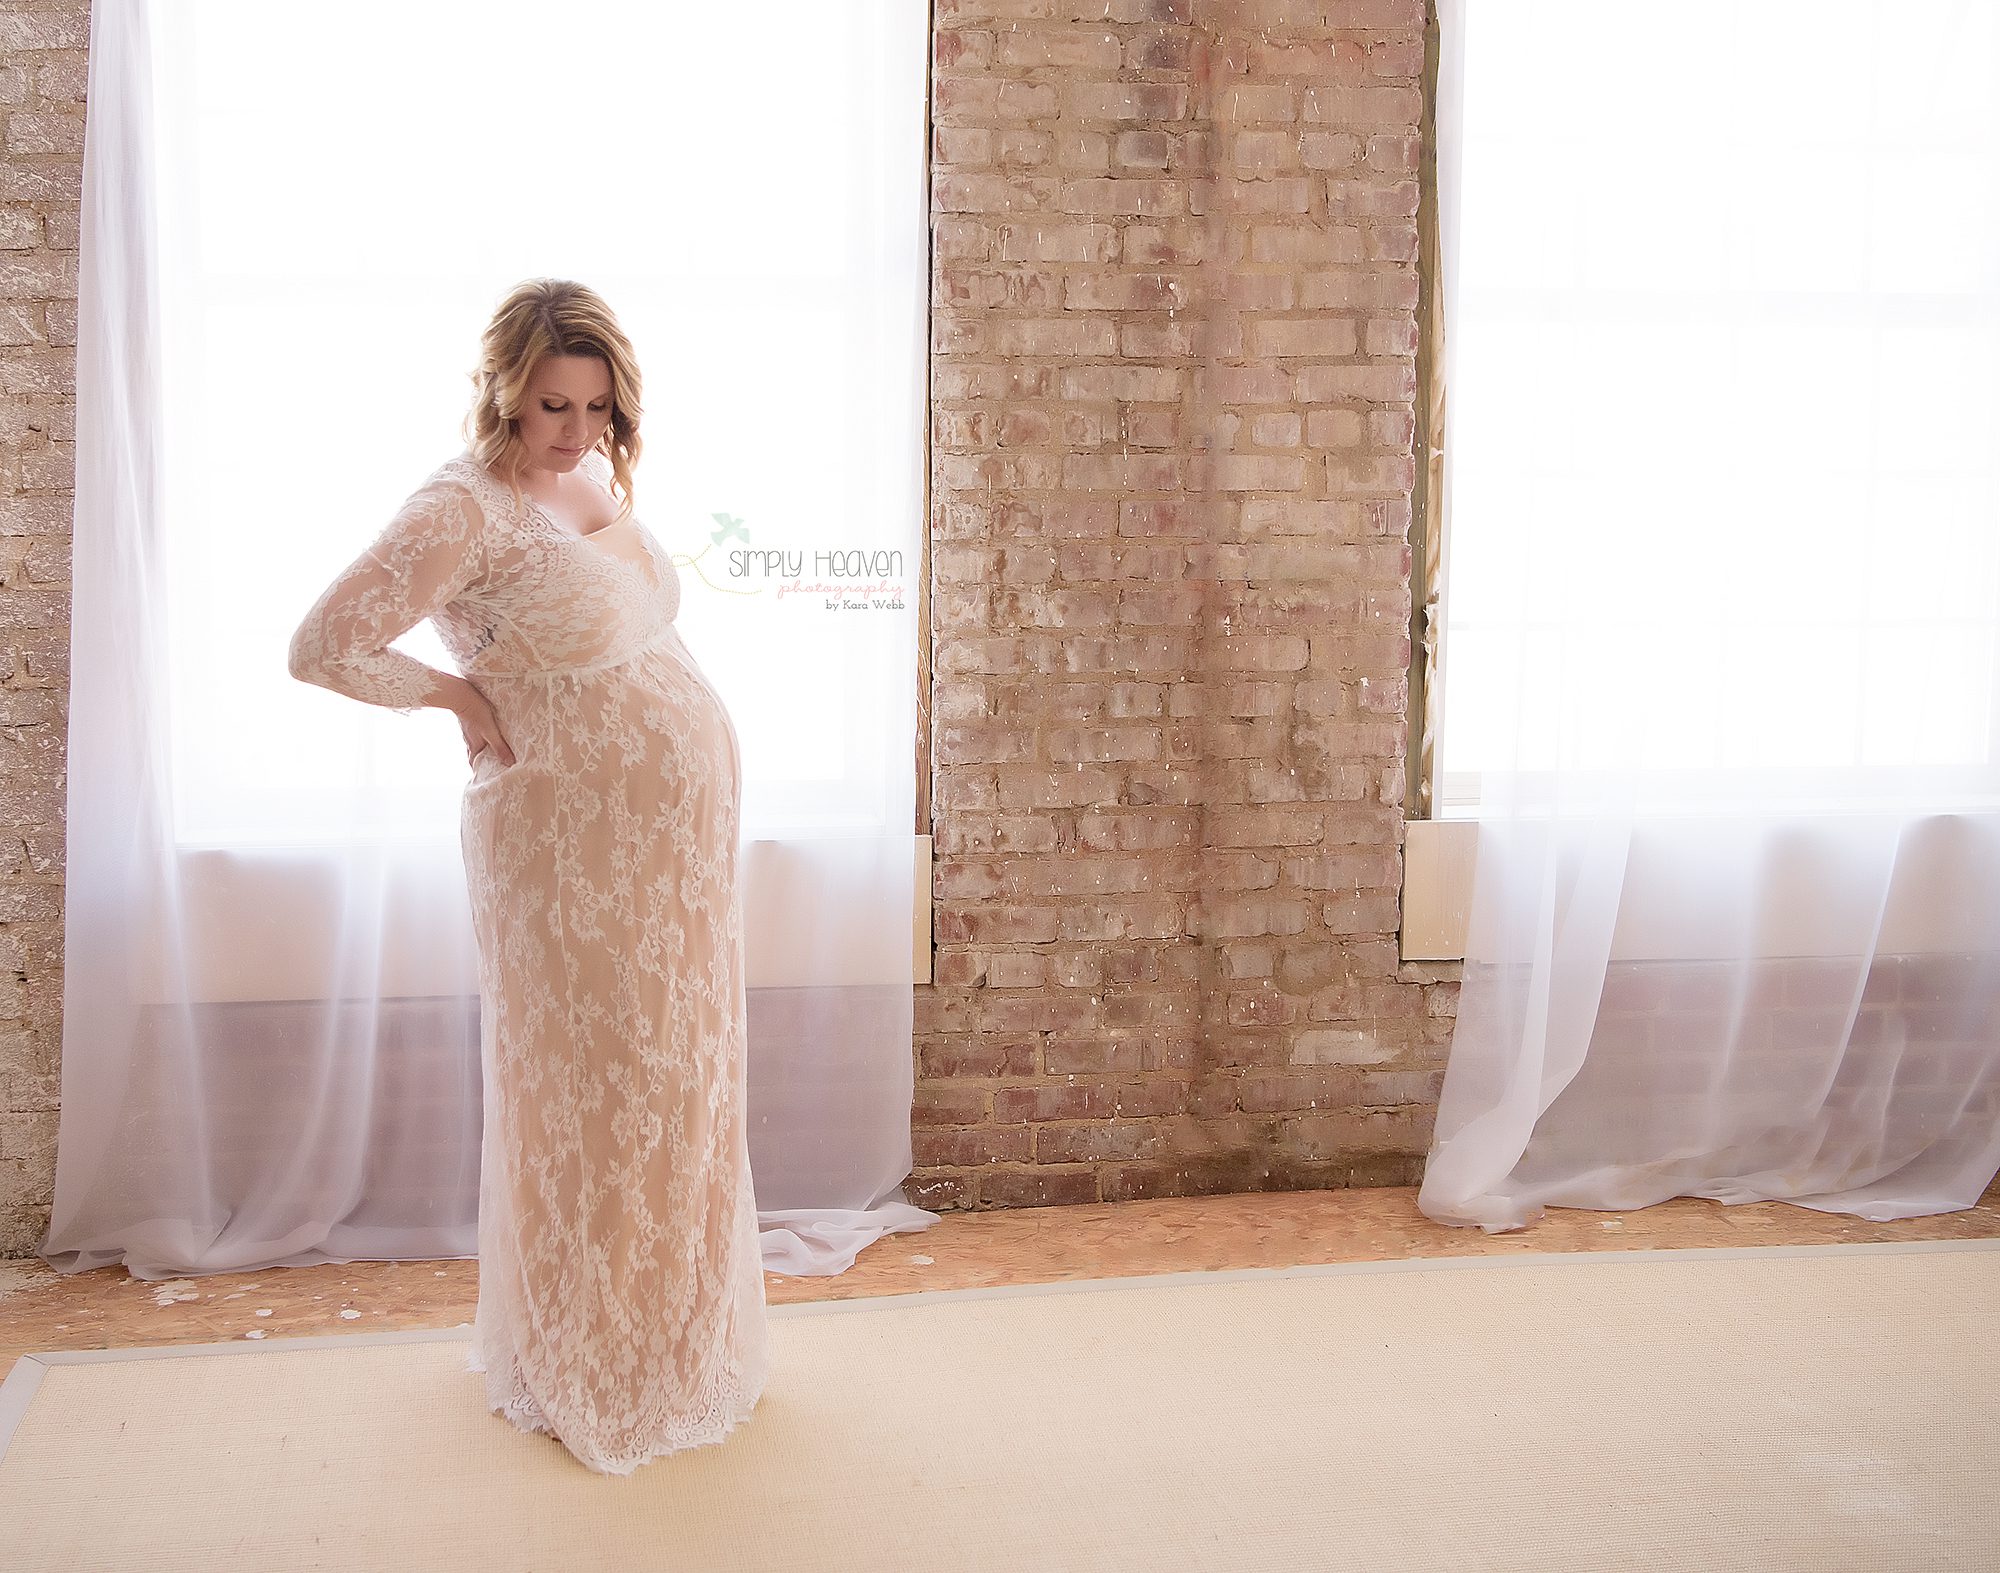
[{"x": 542, "y": 317}]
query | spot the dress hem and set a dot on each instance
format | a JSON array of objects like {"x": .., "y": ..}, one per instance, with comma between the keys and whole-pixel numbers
[{"x": 721, "y": 1405}]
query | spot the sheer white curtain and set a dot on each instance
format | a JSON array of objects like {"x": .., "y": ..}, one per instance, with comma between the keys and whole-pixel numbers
[
  {"x": 1722, "y": 642},
  {"x": 293, "y": 233}
]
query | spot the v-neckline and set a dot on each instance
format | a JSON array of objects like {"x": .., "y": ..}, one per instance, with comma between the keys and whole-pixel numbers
[
  {"x": 581, "y": 535},
  {"x": 543, "y": 509},
  {"x": 575, "y": 535},
  {"x": 646, "y": 565}
]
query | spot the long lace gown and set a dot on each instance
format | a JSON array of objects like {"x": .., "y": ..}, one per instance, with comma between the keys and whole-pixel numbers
[{"x": 621, "y": 1292}]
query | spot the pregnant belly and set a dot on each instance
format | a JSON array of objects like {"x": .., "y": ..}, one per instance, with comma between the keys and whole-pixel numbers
[{"x": 611, "y": 739}]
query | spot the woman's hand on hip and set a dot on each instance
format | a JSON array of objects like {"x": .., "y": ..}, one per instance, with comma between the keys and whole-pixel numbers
[{"x": 480, "y": 726}]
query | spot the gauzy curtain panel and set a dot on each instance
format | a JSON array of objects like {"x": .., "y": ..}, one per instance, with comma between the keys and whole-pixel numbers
[
  {"x": 1722, "y": 642},
  {"x": 295, "y": 226}
]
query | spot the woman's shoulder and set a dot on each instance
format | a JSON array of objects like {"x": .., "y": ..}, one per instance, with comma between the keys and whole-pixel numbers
[
  {"x": 462, "y": 469},
  {"x": 464, "y": 474}
]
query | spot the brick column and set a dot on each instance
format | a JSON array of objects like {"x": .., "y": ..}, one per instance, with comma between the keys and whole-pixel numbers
[{"x": 1173, "y": 380}]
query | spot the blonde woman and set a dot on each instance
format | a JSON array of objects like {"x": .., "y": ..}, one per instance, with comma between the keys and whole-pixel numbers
[{"x": 621, "y": 1294}]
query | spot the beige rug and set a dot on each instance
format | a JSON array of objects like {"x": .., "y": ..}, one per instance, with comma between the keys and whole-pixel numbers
[{"x": 1831, "y": 1407}]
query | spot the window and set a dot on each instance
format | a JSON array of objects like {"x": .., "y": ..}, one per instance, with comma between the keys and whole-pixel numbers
[
  {"x": 1721, "y": 398},
  {"x": 344, "y": 200}
]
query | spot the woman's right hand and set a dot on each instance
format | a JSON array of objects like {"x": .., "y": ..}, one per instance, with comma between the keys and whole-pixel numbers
[{"x": 481, "y": 727}]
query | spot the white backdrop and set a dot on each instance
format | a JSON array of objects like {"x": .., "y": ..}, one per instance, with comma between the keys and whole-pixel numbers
[
  {"x": 294, "y": 229},
  {"x": 1722, "y": 645}
]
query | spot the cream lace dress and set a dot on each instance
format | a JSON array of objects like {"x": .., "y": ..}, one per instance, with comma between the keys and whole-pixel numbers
[{"x": 621, "y": 1292}]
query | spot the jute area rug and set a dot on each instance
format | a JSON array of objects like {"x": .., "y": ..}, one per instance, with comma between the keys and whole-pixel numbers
[{"x": 1817, "y": 1407}]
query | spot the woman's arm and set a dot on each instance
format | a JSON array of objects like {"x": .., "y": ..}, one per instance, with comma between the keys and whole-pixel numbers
[{"x": 428, "y": 553}]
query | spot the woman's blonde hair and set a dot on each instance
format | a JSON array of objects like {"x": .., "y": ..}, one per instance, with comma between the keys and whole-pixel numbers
[{"x": 539, "y": 318}]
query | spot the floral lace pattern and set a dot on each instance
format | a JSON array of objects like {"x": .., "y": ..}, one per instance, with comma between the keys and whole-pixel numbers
[{"x": 621, "y": 1289}]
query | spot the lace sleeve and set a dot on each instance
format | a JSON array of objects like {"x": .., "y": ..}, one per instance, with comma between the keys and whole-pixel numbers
[{"x": 427, "y": 554}]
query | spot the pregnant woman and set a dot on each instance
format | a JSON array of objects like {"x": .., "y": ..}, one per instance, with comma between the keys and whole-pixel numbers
[{"x": 621, "y": 1292}]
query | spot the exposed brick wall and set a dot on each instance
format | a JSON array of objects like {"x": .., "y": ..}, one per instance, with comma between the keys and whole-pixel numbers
[
  {"x": 42, "y": 74},
  {"x": 1173, "y": 383}
]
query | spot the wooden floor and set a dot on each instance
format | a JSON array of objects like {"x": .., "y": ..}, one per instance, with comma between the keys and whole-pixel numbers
[{"x": 42, "y": 1310}]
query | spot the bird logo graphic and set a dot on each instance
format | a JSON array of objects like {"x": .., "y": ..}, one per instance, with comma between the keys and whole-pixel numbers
[{"x": 727, "y": 527}]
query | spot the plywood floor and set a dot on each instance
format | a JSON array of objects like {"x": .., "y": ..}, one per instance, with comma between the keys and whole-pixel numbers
[{"x": 41, "y": 1309}]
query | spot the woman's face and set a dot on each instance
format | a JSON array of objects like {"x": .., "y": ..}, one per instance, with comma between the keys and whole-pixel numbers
[{"x": 569, "y": 405}]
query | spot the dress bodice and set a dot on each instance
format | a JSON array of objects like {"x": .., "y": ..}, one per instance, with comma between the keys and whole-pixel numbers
[
  {"x": 510, "y": 591},
  {"x": 546, "y": 598}
]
